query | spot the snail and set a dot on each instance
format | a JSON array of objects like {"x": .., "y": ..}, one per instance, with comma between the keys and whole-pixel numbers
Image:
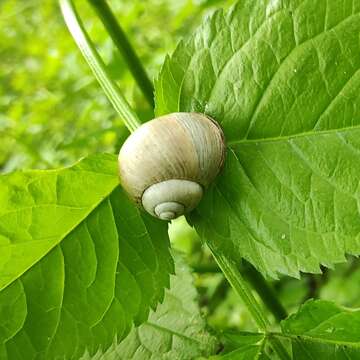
[{"x": 168, "y": 162}]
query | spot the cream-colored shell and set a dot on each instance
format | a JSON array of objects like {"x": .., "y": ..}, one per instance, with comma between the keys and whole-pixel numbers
[{"x": 178, "y": 146}]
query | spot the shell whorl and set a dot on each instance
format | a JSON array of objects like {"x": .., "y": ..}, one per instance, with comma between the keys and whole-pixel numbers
[
  {"x": 169, "y": 199},
  {"x": 166, "y": 163}
]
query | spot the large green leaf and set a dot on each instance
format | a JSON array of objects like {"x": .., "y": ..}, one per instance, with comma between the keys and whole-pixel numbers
[
  {"x": 175, "y": 331},
  {"x": 78, "y": 262},
  {"x": 282, "y": 78}
]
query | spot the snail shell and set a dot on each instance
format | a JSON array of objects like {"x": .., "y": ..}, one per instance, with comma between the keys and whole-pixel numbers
[{"x": 166, "y": 164}]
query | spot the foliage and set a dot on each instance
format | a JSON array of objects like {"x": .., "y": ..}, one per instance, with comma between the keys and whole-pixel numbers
[
  {"x": 319, "y": 330},
  {"x": 83, "y": 270},
  {"x": 65, "y": 283},
  {"x": 174, "y": 331},
  {"x": 282, "y": 202}
]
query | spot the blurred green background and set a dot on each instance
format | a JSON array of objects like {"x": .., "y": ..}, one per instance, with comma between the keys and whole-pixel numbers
[{"x": 52, "y": 112}]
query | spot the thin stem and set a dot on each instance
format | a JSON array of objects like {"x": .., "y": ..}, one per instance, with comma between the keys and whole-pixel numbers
[
  {"x": 257, "y": 281},
  {"x": 96, "y": 64},
  {"x": 120, "y": 39},
  {"x": 218, "y": 296},
  {"x": 238, "y": 283},
  {"x": 278, "y": 347},
  {"x": 205, "y": 268},
  {"x": 264, "y": 290}
]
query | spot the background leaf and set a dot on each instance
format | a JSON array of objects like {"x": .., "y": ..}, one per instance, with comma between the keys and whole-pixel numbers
[
  {"x": 282, "y": 78},
  {"x": 174, "y": 331},
  {"x": 318, "y": 330},
  {"x": 79, "y": 263},
  {"x": 323, "y": 330},
  {"x": 242, "y": 346}
]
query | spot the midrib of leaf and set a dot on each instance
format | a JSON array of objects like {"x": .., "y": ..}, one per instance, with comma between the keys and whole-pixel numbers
[
  {"x": 317, "y": 339},
  {"x": 91, "y": 209},
  {"x": 172, "y": 332},
  {"x": 312, "y": 169},
  {"x": 293, "y": 136}
]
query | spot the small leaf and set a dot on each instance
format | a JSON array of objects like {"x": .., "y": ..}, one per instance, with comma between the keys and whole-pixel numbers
[
  {"x": 78, "y": 262},
  {"x": 283, "y": 80},
  {"x": 242, "y": 346},
  {"x": 174, "y": 331},
  {"x": 323, "y": 330},
  {"x": 320, "y": 330}
]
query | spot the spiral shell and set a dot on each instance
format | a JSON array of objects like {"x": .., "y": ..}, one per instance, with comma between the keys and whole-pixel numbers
[{"x": 167, "y": 163}]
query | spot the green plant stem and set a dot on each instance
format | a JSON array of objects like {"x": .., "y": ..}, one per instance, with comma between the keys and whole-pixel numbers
[
  {"x": 239, "y": 284},
  {"x": 120, "y": 39},
  {"x": 205, "y": 268},
  {"x": 241, "y": 287},
  {"x": 89, "y": 52},
  {"x": 278, "y": 347},
  {"x": 257, "y": 281},
  {"x": 218, "y": 296},
  {"x": 264, "y": 290}
]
